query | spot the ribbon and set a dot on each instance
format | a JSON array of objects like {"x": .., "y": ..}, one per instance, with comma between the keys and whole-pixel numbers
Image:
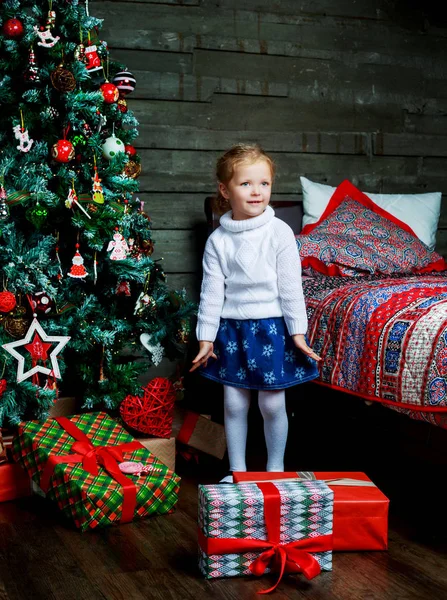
[
  {"x": 293, "y": 557},
  {"x": 187, "y": 428},
  {"x": 91, "y": 456}
]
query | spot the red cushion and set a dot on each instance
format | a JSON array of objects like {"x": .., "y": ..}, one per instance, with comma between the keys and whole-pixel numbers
[{"x": 356, "y": 237}]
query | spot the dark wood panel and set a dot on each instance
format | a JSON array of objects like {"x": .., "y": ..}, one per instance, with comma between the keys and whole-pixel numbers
[
  {"x": 192, "y": 138},
  {"x": 364, "y": 9},
  {"x": 307, "y": 71},
  {"x": 408, "y": 144},
  {"x": 246, "y": 113},
  {"x": 189, "y": 171},
  {"x": 139, "y": 60},
  {"x": 181, "y": 250},
  {"x": 426, "y": 124}
]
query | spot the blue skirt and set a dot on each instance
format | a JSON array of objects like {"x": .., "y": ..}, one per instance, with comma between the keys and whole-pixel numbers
[{"x": 258, "y": 354}]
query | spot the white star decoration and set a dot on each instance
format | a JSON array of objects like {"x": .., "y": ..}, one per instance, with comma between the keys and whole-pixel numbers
[{"x": 35, "y": 327}]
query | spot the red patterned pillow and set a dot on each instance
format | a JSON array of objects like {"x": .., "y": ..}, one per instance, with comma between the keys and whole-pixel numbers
[{"x": 356, "y": 237}]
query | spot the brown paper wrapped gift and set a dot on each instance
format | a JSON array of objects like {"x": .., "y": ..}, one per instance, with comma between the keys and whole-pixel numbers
[
  {"x": 162, "y": 448},
  {"x": 200, "y": 433}
]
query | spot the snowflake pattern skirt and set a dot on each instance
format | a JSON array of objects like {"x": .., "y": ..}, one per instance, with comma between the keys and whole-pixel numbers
[{"x": 258, "y": 354}]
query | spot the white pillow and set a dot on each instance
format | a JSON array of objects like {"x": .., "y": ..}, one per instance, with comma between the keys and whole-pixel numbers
[{"x": 418, "y": 211}]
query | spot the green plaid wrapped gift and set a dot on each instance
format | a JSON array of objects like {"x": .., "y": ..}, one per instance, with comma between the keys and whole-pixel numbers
[
  {"x": 252, "y": 528},
  {"x": 80, "y": 472}
]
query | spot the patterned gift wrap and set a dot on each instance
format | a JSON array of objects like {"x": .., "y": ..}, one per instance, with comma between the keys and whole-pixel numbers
[
  {"x": 93, "y": 500},
  {"x": 237, "y": 511}
]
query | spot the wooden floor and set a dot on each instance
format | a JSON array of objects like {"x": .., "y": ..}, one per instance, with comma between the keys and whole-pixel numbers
[{"x": 42, "y": 558}]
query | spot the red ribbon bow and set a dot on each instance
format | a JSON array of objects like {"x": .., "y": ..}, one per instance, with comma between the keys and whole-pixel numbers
[
  {"x": 91, "y": 456},
  {"x": 293, "y": 557}
]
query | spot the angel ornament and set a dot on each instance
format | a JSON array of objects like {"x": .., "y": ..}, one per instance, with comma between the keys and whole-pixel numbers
[{"x": 119, "y": 247}]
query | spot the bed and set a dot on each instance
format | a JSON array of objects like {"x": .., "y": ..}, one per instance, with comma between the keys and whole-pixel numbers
[{"x": 376, "y": 295}]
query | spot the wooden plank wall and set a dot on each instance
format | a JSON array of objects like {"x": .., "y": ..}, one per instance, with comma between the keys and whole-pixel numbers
[{"x": 333, "y": 89}]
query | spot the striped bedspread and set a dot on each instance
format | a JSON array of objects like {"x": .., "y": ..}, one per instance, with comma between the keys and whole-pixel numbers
[{"x": 384, "y": 339}]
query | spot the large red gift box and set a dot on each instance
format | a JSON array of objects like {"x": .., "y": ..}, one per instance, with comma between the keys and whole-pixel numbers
[
  {"x": 360, "y": 508},
  {"x": 14, "y": 482}
]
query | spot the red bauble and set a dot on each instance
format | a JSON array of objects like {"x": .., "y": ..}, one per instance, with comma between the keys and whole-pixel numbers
[
  {"x": 110, "y": 93},
  {"x": 63, "y": 151},
  {"x": 7, "y": 302},
  {"x": 153, "y": 413},
  {"x": 13, "y": 28},
  {"x": 130, "y": 150},
  {"x": 3, "y": 386}
]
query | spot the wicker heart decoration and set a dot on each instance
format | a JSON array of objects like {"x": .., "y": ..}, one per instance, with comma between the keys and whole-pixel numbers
[{"x": 153, "y": 413}]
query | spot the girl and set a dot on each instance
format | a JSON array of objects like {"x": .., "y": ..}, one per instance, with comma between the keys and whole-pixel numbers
[{"x": 252, "y": 317}]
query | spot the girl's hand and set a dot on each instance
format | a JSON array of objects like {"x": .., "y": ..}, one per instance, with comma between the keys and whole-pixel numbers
[
  {"x": 300, "y": 342},
  {"x": 205, "y": 352}
]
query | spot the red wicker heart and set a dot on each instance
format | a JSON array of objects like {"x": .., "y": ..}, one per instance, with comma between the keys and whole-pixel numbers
[{"x": 153, "y": 413}]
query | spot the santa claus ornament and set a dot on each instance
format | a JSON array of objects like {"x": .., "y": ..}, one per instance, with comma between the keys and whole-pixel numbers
[{"x": 77, "y": 270}]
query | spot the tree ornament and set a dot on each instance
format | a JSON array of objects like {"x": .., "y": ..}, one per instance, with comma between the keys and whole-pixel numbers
[
  {"x": 63, "y": 151},
  {"x": 52, "y": 113},
  {"x": 156, "y": 350},
  {"x": 37, "y": 215},
  {"x": 38, "y": 343},
  {"x": 122, "y": 105},
  {"x": 102, "y": 50},
  {"x": 78, "y": 140},
  {"x": 93, "y": 64},
  {"x": 97, "y": 192},
  {"x": 79, "y": 53},
  {"x": 16, "y": 324},
  {"x": 109, "y": 92},
  {"x": 77, "y": 270},
  {"x": 182, "y": 334},
  {"x": 13, "y": 28},
  {"x": 62, "y": 79},
  {"x": 123, "y": 288},
  {"x": 118, "y": 246},
  {"x": 4, "y": 208},
  {"x": 8, "y": 302},
  {"x": 125, "y": 82},
  {"x": 3, "y": 386},
  {"x": 130, "y": 150},
  {"x": 21, "y": 134},
  {"x": 41, "y": 302},
  {"x": 87, "y": 130},
  {"x": 72, "y": 198},
  {"x": 112, "y": 146},
  {"x": 132, "y": 169},
  {"x": 144, "y": 303},
  {"x": 31, "y": 75},
  {"x": 146, "y": 247}
]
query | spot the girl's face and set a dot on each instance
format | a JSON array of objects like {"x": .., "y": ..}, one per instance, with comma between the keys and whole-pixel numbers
[{"x": 249, "y": 190}]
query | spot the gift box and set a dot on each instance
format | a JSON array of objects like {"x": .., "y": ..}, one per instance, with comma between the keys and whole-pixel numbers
[
  {"x": 360, "y": 508},
  {"x": 162, "y": 448},
  {"x": 200, "y": 433},
  {"x": 76, "y": 463},
  {"x": 14, "y": 482},
  {"x": 249, "y": 529}
]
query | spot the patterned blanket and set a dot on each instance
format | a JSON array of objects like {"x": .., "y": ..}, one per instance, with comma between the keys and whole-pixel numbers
[{"x": 384, "y": 339}]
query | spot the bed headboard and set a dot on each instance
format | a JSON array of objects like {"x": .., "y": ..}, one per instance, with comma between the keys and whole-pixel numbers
[{"x": 290, "y": 211}]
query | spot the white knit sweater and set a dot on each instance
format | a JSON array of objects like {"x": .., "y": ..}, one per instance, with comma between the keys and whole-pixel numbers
[{"x": 251, "y": 270}]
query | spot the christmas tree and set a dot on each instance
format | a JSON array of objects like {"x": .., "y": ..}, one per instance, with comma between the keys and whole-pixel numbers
[{"x": 79, "y": 286}]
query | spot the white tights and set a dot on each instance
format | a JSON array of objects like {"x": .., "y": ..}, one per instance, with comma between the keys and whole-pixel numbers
[{"x": 272, "y": 404}]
